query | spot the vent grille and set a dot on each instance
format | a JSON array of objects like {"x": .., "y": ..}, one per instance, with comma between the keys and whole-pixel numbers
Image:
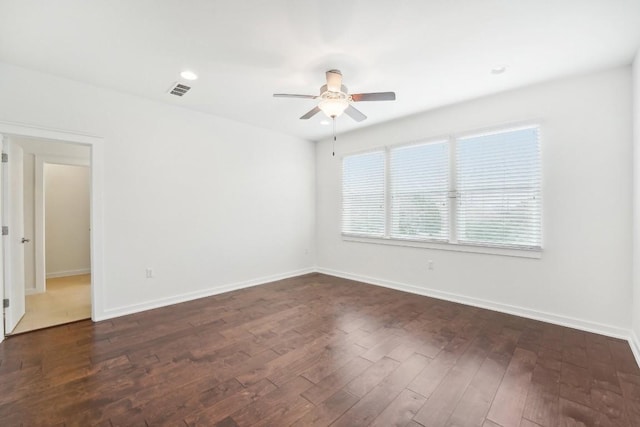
[{"x": 179, "y": 89}]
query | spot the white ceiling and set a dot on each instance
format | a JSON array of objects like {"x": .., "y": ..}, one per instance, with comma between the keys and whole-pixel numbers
[{"x": 430, "y": 52}]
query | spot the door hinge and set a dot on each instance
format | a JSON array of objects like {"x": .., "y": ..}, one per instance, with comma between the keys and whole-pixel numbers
[
  {"x": 5, "y": 230},
  {"x": 5, "y": 158},
  {"x": 5, "y": 303}
]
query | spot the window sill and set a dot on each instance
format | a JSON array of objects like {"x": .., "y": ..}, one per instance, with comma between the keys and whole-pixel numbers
[{"x": 446, "y": 246}]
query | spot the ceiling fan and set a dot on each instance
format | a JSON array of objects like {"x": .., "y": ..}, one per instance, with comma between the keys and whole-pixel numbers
[{"x": 335, "y": 98}]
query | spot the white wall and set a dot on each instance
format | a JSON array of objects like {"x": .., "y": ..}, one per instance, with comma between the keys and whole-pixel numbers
[
  {"x": 67, "y": 191},
  {"x": 636, "y": 206},
  {"x": 206, "y": 202},
  {"x": 584, "y": 276}
]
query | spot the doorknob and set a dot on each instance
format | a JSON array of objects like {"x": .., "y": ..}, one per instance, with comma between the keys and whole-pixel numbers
[{"x": 25, "y": 240}]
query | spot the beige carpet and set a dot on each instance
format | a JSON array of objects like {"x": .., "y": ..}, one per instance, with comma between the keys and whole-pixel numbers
[{"x": 67, "y": 299}]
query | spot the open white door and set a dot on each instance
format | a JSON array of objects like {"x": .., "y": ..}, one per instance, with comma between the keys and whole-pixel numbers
[
  {"x": 13, "y": 243},
  {"x": 2, "y": 261}
]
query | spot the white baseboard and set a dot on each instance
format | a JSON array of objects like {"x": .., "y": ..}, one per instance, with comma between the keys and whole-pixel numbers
[
  {"x": 163, "y": 302},
  {"x": 584, "y": 325},
  {"x": 68, "y": 273},
  {"x": 634, "y": 343}
]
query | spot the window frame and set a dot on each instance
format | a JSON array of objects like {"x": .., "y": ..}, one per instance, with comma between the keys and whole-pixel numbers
[{"x": 452, "y": 243}]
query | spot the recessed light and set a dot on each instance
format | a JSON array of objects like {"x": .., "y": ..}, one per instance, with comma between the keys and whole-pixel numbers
[
  {"x": 499, "y": 70},
  {"x": 188, "y": 75},
  {"x": 325, "y": 122}
]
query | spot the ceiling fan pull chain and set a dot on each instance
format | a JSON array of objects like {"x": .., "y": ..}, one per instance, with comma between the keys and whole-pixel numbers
[{"x": 334, "y": 136}]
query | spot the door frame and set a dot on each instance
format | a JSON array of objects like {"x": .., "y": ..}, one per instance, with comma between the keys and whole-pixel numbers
[
  {"x": 39, "y": 214},
  {"x": 97, "y": 189}
]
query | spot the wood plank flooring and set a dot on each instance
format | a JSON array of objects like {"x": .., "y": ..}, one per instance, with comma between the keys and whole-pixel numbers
[{"x": 315, "y": 351}]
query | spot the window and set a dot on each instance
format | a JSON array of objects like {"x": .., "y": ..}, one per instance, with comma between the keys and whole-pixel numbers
[
  {"x": 363, "y": 193},
  {"x": 481, "y": 190},
  {"x": 419, "y": 191},
  {"x": 499, "y": 189}
]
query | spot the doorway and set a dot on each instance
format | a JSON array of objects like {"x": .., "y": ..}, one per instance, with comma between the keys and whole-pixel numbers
[
  {"x": 57, "y": 255},
  {"x": 13, "y": 286}
]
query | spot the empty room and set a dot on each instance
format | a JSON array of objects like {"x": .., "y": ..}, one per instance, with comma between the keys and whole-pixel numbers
[{"x": 313, "y": 213}]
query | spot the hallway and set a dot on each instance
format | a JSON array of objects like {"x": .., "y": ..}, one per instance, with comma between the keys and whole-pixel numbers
[{"x": 67, "y": 299}]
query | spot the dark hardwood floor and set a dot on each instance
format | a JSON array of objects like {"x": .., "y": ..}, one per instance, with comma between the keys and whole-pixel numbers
[{"x": 317, "y": 350}]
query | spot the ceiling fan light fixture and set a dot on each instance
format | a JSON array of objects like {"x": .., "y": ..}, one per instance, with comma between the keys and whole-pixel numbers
[{"x": 333, "y": 107}]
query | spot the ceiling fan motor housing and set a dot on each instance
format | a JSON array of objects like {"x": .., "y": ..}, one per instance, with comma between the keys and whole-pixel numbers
[{"x": 325, "y": 93}]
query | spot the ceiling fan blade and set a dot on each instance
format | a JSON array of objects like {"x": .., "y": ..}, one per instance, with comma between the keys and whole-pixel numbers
[
  {"x": 375, "y": 96},
  {"x": 311, "y": 113},
  {"x": 334, "y": 80},
  {"x": 289, "y": 95},
  {"x": 354, "y": 113}
]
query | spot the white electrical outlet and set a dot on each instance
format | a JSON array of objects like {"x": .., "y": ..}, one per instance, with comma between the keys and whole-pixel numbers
[
  {"x": 430, "y": 264},
  {"x": 149, "y": 272}
]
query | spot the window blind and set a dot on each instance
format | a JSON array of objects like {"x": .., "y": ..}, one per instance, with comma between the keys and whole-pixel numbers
[
  {"x": 363, "y": 194},
  {"x": 499, "y": 189},
  {"x": 419, "y": 191}
]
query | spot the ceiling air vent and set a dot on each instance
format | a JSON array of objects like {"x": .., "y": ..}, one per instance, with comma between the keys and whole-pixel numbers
[{"x": 179, "y": 89}]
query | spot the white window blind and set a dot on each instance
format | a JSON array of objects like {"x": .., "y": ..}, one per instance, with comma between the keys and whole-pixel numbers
[
  {"x": 419, "y": 191},
  {"x": 499, "y": 189},
  {"x": 363, "y": 194}
]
